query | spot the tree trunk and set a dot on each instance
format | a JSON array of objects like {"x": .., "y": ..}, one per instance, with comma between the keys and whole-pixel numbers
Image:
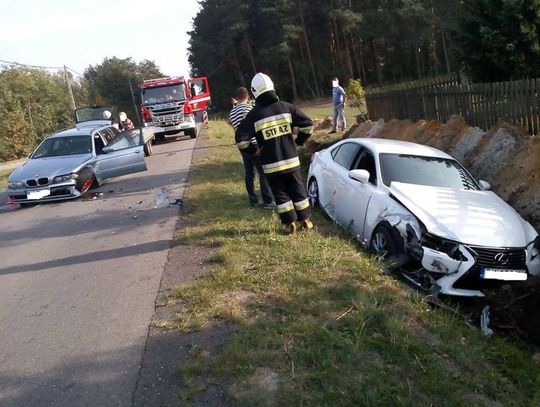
[
  {"x": 240, "y": 75},
  {"x": 293, "y": 79},
  {"x": 310, "y": 59},
  {"x": 376, "y": 61},
  {"x": 250, "y": 53},
  {"x": 348, "y": 56},
  {"x": 446, "y": 60}
]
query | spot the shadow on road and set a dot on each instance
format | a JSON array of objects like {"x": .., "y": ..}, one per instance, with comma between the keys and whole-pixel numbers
[
  {"x": 101, "y": 379},
  {"x": 92, "y": 257}
]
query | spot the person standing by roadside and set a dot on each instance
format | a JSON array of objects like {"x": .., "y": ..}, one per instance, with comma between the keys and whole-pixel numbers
[
  {"x": 251, "y": 163},
  {"x": 271, "y": 123},
  {"x": 339, "y": 98}
]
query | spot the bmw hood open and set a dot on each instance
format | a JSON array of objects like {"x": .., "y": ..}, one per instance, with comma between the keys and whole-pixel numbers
[{"x": 472, "y": 217}]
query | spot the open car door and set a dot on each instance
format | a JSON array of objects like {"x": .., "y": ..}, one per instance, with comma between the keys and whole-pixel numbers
[
  {"x": 199, "y": 93},
  {"x": 123, "y": 153}
]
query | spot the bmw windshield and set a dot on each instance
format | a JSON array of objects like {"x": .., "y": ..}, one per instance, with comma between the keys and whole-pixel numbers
[
  {"x": 430, "y": 171},
  {"x": 62, "y": 146},
  {"x": 163, "y": 94}
]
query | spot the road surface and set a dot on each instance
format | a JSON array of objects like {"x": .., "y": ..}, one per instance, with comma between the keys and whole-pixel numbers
[{"x": 78, "y": 282}]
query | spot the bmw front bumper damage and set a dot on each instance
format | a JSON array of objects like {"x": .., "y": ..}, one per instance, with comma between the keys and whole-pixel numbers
[{"x": 54, "y": 192}]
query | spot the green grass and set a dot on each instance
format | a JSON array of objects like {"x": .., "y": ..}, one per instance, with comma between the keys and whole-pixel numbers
[
  {"x": 322, "y": 110},
  {"x": 319, "y": 323},
  {"x": 4, "y": 174}
]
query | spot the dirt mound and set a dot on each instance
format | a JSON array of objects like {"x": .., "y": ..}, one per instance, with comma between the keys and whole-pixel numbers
[
  {"x": 359, "y": 130},
  {"x": 323, "y": 124}
]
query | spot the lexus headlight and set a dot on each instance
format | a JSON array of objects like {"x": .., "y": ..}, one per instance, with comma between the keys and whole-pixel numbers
[
  {"x": 15, "y": 184},
  {"x": 64, "y": 178}
]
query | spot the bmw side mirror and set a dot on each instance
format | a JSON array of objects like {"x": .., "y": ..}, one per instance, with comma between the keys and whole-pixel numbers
[
  {"x": 359, "y": 175},
  {"x": 106, "y": 149},
  {"x": 484, "y": 185}
]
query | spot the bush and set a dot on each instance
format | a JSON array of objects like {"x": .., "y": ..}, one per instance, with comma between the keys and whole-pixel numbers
[{"x": 355, "y": 95}]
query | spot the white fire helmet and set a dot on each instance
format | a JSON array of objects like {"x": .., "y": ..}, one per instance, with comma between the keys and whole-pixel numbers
[
  {"x": 106, "y": 114},
  {"x": 123, "y": 116},
  {"x": 261, "y": 83}
]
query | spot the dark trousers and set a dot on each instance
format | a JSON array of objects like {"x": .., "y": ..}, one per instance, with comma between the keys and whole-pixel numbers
[
  {"x": 291, "y": 197},
  {"x": 250, "y": 165}
]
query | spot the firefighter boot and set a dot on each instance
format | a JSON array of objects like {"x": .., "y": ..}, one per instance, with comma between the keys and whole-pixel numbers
[
  {"x": 307, "y": 225},
  {"x": 291, "y": 228}
]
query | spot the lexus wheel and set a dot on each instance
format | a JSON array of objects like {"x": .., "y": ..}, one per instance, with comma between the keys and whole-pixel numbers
[
  {"x": 313, "y": 193},
  {"x": 384, "y": 242}
]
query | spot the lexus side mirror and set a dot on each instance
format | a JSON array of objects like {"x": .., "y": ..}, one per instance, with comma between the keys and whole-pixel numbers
[
  {"x": 359, "y": 175},
  {"x": 484, "y": 185}
]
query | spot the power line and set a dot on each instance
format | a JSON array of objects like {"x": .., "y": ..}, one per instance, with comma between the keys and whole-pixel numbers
[
  {"x": 74, "y": 71},
  {"x": 40, "y": 66},
  {"x": 31, "y": 66}
]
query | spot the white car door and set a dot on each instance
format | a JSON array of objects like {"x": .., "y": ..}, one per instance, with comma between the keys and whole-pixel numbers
[
  {"x": 352, "y": 197},
  {"x": 336, "y": 172}
]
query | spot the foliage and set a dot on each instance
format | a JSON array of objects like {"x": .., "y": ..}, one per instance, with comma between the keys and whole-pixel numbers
[
  {"x": 303, "y": 44},
  {"x": 355, "y": 95},
  {"x": 108, "y": 82},
  {"x": 33, "y": 104},
  {"x": 499, "y": 40}
]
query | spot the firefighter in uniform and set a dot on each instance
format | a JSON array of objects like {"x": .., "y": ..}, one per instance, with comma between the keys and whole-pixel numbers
[{"x": 271, "y": 122}]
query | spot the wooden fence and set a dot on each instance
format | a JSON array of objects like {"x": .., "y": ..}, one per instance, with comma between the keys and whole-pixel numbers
[{"x": 481, "y": 104}]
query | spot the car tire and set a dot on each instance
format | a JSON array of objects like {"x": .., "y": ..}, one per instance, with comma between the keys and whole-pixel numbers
[
  {"x": 384, "y": 241},
  {"x": 86, "y": 180},
  {"x": 148, "y": 148},
  {"x": 313, "y": 193},
  {"x": 191, "y": 132}
]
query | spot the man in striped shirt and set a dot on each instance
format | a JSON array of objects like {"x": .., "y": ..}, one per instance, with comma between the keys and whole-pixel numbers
[{"x": 238, "y": 113}]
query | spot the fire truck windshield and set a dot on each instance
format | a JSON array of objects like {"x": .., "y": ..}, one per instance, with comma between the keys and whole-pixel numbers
[{"x": 163, "y": 94}]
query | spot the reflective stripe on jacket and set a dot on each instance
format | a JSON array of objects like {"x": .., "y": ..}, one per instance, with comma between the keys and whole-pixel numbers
[{"x": 271, "y": 122}]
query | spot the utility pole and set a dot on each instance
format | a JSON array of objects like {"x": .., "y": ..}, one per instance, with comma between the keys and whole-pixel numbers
[
  {"x": 133, "y": 99},
  {"x": 68, "y": 81}
]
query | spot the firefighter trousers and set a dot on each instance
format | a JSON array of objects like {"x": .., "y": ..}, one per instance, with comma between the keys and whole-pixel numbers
[{"x": 290, "y": 196}]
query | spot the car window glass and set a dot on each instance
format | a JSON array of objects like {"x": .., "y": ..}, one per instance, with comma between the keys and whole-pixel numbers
[
  {"x": 98, "y": 143},
  {"x": 67, "y": 145},
  {"x": 346, "y": 155},
  {"x": 114, "y": 131},
  {"x": 366, "y": 162},
  {"x": 107, "y": 136},
  {"x": 334, "y": 151},
  {"x": 432, "y": 171},
  {"x": 122, "y": 141}
]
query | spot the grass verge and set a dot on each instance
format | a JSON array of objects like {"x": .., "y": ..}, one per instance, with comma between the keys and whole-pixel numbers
[
  {"x": 322, "y": 110},
  {"x": 319, "y": 324},
  {"x": 4, "y": 174}
]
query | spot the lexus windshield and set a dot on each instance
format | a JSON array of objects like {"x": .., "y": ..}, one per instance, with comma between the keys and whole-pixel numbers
[
  {"x": 62, "y": 146},
  {"x": 431, "y": 171},
  {"x": 163, "y": 94}
]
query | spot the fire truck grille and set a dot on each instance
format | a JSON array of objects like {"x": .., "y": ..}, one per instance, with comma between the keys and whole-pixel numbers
[{"x": 167, "y": 114}]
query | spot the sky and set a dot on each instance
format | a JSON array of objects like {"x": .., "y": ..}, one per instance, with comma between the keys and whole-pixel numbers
[{"x": 82, "y": 33}]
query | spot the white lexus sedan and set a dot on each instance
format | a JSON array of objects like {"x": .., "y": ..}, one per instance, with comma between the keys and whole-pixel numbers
[{"x": 419, "y": 205}]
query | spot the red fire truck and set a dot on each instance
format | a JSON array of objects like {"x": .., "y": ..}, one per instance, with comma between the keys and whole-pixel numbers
[{"x": 173, "y": 104}]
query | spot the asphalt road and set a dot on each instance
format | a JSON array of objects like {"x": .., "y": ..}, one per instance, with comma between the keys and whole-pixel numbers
[{"x": 78, "y": 283}]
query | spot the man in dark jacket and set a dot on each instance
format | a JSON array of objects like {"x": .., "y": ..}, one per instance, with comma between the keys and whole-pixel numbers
[{"x": 271, "y": 122}]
